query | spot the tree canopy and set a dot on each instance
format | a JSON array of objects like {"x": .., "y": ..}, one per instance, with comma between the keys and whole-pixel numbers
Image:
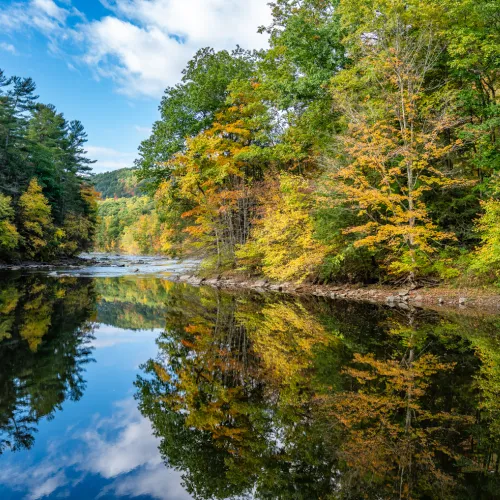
[
  {"x": 47, "y": 204},
  {"x": 362, "y": 145}
]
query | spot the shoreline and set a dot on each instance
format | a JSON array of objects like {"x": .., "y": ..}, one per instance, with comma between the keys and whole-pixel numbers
[
  {"x": 70, "y": 262},
  {"x": 440, "y": 298}
]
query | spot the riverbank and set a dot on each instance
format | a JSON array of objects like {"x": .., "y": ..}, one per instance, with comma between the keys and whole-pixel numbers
[
  {"x": 70, "y": 262},
  {"x": 463, "y": 299},
  {"x": 440, "y": 297}
]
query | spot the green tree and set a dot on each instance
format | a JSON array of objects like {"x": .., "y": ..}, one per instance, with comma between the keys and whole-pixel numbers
[
  {"x": 190, "y": 107},
  {"x": 37, "y": 142}
]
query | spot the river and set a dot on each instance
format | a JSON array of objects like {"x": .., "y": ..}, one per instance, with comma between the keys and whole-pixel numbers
[{"x": 116, "y": 382}]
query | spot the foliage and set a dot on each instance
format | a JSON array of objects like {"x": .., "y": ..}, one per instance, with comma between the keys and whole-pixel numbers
[
  {"x": 283, "y": 246},
  {"x": 9, "y": 237},
  {"x": 36, "y": 228},
  {"x": 218, "y": 174},
  {"x": 385, "y": 114},
  {"x": 487, "y": 257},
  {"x": 130, "y": 225},
  {"x": 121, "y": 183},
  {"x": 191, "y": 106},
  {"x": 42, "y": 156}
]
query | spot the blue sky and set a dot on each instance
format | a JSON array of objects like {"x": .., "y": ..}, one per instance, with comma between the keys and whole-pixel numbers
[{"x": 107, "y": 62}]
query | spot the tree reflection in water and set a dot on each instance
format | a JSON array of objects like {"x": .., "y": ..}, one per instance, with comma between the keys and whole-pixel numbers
[
  {"x": 293, "y": 398},
  {"x": 268, "y": 396},
  {"x": 45, "y": 330}
]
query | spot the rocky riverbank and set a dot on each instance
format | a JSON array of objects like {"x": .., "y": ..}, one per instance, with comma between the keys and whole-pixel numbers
[
  {"x": 487, "y": 300},
  {"x": 73, "y": 262}
]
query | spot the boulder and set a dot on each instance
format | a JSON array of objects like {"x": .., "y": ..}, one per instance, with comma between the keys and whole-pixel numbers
[{"x": 261, "y": 283}]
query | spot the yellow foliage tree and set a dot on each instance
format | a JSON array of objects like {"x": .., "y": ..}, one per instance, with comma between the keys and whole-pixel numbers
[
  {"x": 487, "y": 256},
  {"x": 35, "y": 220},
  {"x": 9, "y": 237},
  {"x": 214, "y": 180},
  {"x": 395, "y": 148},
  {"x": 282, "y": 244}
]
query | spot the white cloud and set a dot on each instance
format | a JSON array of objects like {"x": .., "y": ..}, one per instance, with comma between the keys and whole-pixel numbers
[
  {"x": 134, "y": 446},
  {"x": 48, "y": 486},
  {"x": 143, "y": 45},
  {"x": 121, "y": 449},
  {"x": 139, "y": 60},
  {"x": 109, "y": 159},
  {"x": 149, "y": 42},
  {"x": 218, "y": 23},
  {"x": 44, "y": 16},
  {"x": 110, "y": 336},
  {"x": 51, "y": 9},
  {"x": 7, "y": 47}
]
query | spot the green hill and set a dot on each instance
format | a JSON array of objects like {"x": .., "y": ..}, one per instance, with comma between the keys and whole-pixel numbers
[{"x": 118, "y": 184}]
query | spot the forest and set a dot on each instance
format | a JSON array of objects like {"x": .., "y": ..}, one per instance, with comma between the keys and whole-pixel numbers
[
  {"x": 361, "y": 146},
  {"x": 121, "y": 183},
  {"x": 48, "y": 205}
]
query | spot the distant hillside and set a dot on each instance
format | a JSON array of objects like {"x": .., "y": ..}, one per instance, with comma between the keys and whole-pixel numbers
[{"x": 118, "y": 184}]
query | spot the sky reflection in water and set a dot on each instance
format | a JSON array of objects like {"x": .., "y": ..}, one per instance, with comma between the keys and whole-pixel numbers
[
  {"x": 100, "y": 446},
  {"x": 105, "y": 381}
]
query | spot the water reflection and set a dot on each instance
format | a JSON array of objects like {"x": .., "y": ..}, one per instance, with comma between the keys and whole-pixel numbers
[
  {"x": 132, "y": 303},
  {"x": 287, "y": 398},
  {"x": 114, "y": 456},
  {"x": 244, "y": 395},
  {"x": 45, "y": 330}
]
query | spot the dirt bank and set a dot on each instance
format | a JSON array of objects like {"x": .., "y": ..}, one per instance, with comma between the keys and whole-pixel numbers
[{"x": 440, "y": 298}]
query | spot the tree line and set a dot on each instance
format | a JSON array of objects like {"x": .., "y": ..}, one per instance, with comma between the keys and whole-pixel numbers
[
  {"x": 121, "y": 183},
  {"x": 128, "y": 225},
  {"x": 361, "y": 146},
  {"x": 48, "y": 205}
]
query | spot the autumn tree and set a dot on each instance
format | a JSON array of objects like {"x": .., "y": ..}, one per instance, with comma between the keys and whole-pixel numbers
[
  {"x": 394, "y": 150},
  {"x": 283, "y": 245},
  {"x": 190, "y": 107},
  {"x": 486, "y": 261},
  {"x": 9, "y": 237},
  {"x": 35, "y": 221},
  {"x": 217, "y": 176}
]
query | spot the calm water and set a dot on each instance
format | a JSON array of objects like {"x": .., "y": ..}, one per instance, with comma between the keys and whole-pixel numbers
[{"x": 135, "y": 387}]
